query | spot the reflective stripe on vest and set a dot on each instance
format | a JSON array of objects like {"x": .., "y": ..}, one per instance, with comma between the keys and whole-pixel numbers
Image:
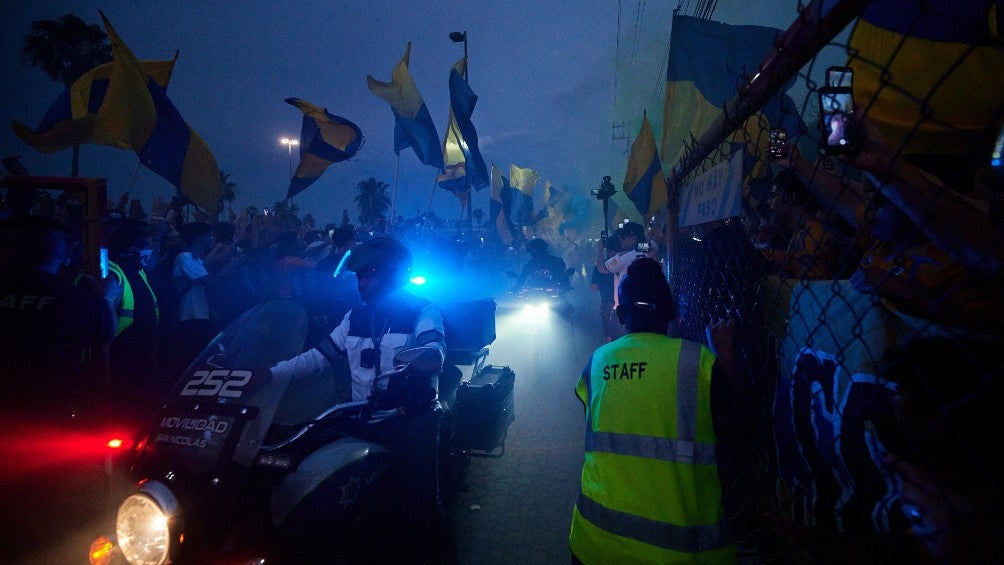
[
  {"x": 127, "y": 312},
  {"x": 687, "y": 539},
  {"x": 681, "y": 450}
]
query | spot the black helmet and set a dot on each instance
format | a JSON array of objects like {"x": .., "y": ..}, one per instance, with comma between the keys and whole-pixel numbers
[
  {"x": 382, "y": 254},
  {"x": 536, "y": 245}
]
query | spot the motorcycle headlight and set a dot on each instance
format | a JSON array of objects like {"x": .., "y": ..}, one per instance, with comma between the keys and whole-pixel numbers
[
  {"x": 142, "y": 525},
  {"x": 535, "y": 312}
]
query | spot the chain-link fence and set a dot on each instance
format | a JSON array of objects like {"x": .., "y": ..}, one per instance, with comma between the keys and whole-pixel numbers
[{"x": 867, "y": 273}]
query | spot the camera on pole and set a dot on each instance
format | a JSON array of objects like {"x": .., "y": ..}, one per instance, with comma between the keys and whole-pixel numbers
[{"x": 603, "y": 193}]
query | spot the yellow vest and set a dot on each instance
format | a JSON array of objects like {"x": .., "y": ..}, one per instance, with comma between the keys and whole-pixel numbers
[
  {"x": 650, "y": 490},
  {"x": 127, "y": 311}
]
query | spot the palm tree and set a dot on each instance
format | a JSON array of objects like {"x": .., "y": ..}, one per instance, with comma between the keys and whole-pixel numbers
[
  {"x": 287, "y": 214},
  {"x": 228, "y": 191},
  {"x": 66, "y": 49},
  {"x": 372, "y": 200}
]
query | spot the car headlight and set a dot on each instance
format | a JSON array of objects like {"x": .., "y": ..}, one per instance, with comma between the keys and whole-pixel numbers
[{"x": 142, "y": 524}]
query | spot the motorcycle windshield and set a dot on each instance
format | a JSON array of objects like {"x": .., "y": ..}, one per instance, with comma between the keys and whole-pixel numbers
[{"x": 221, "y": 408}]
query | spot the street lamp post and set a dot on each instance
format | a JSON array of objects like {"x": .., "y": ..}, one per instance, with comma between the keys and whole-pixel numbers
[
  {"x": 457, "y": 37},
  {"x": 289, "y": 142}
]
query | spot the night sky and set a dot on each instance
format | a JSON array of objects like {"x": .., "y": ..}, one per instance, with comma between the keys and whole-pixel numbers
[{"x": 561, "y": 86}]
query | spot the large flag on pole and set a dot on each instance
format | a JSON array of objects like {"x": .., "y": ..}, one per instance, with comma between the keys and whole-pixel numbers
[
  {"x": 644, "y": 183},
  {"x": 69, "y": 122},
  {"x": 324, "y": 139},
  {"x": 465, "y": 167},
  {"x": 136, "y": 114},
  {"x": 413, "y": 125}
]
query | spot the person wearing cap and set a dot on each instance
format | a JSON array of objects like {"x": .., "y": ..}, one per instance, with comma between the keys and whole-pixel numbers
[
  {"x": 656, "y": 408},
  {"x": 630, "y": 235},
  {"x": 390, "y": 319}
]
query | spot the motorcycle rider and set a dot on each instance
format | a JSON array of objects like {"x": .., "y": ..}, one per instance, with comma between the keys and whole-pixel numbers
[
  {"x": 543, "y": 270},
  {"x": 391, "y": 319}
]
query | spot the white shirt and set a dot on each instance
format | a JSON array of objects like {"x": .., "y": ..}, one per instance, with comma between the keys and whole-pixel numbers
[
  {"x": 194, "y": 303},
  {"x": 618, "y": 265},
  {"x": 313, "y": 362}
]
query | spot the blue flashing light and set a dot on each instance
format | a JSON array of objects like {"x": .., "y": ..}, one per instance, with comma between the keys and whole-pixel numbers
[{"x": 418, "y": 280}]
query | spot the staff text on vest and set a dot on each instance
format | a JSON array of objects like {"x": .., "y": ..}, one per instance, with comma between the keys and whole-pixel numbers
[{"x": 624, "y": 370}]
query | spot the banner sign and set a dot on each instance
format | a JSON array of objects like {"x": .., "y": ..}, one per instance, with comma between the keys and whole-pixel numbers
[{"x": 715, "y": 195}]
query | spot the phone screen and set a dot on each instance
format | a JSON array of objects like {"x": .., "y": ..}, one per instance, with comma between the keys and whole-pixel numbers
[
  {"x": 836, "y": 105},
  {"x": 842, "y": 77}
]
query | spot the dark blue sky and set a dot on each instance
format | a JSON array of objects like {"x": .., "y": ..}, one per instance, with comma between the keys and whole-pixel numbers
[{"x": 545, "y": 72}]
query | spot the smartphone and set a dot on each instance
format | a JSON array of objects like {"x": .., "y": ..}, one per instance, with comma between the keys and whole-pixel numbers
[
  {"x": 777, "y": 147},
  {"x": 836, "y": 106},
  {"x": 840, "y": 77},
  {"x": 644, "y": 247}
]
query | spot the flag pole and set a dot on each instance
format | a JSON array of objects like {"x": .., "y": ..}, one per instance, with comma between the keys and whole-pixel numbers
[
  {"x": 393, "y": 198},
  {"x": 435, "y": 181}
]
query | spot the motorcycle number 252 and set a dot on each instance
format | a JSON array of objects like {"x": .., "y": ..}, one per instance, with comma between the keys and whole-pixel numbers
[{"x": 225, "y": 383}]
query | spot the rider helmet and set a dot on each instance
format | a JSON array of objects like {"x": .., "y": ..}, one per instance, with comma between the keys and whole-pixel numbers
[{"x": 385, "y": 256}]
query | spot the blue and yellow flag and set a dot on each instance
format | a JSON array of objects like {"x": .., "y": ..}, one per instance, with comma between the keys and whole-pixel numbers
[
  {"x": 519, "y": 197},
  {"x": 462, "y": 138},
  {"x": 413, "y": 125},
  {"x": 930, "y": 75},
  {"x": 135, "y": 113},
  {"x": 454, "y": 177},
  {"x": 69, "y": 122},
  {"x": 708, "y": 62},
  {"x": 128, "y": 117},
  {"x": 644, "y": 183},
  {"x": 503, "y": 227},
  {"x": 324, "y": 139}
]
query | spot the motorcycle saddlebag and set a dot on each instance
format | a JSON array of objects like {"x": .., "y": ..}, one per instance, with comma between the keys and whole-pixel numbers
[
  {"x": 485, "y": 409},
  {"x": 469, "y": 325}
]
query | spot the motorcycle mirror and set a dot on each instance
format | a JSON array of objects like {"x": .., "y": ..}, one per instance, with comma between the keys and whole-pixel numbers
[{"x": 424, "y": 359}]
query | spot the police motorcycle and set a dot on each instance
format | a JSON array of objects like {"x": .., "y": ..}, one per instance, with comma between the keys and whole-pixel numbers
[{"x": 232, "y": 471}]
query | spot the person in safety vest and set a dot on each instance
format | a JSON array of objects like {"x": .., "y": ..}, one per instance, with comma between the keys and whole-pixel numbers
[
  {"x": 53, "y": 360},
  {"x": 390, "y": 319},
  {"x": 134, "y": 356},
  {"x": 655, "y": 408}
]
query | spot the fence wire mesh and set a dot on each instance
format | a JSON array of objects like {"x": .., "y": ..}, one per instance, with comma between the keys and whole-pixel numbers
[{"x": 868, "y": 280}]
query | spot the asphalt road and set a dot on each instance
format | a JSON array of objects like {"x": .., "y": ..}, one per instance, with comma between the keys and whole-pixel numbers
[{"x": 517, "y": 508}]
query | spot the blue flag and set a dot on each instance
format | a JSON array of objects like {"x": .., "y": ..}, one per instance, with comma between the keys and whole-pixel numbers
[{"x": 324, "y": 139}]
